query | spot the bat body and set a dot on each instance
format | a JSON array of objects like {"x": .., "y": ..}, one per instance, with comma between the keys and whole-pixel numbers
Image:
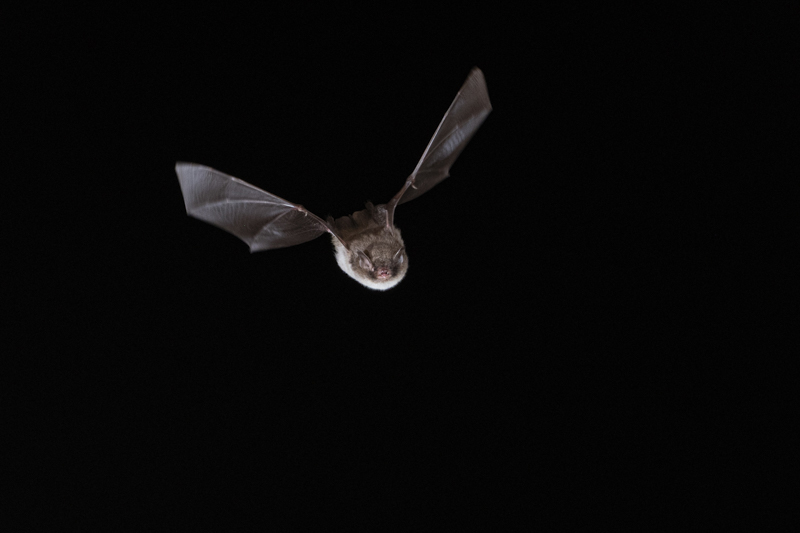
[
  {"x": 374, "y": 256},
  {"x": 367, "y": 244}
]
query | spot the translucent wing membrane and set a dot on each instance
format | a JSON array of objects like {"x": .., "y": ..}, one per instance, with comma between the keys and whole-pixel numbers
[
  {"x": 465, "y": 115},
  {"x": 262, "y": 220}
]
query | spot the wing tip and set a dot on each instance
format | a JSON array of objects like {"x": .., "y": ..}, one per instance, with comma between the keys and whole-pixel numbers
[
  {"x": 185, "y": 165},
  {"x": 477, "y": 80}
]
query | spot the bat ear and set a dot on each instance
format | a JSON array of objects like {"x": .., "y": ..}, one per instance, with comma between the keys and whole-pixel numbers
[{"x": 364, "y": 261}]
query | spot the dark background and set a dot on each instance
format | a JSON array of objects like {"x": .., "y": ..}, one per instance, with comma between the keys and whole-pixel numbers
[{"x": 593, "y": 318}]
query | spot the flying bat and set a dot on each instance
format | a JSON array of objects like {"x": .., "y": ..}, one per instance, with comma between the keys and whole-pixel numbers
[{"x": 367, "y": 244}]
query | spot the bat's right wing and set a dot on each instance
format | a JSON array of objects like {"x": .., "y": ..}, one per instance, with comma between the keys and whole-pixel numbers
[
  {"x": 469, "y": 109},
  {"x": 262, "y": 220}
]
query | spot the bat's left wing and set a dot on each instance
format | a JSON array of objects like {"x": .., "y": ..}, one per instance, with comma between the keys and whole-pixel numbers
[
  {"x": 262, "y": 220},
  {"x": 469, "y": 109}
]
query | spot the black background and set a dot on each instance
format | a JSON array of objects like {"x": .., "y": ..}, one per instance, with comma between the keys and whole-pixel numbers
[{"x": 594, "y": 316}]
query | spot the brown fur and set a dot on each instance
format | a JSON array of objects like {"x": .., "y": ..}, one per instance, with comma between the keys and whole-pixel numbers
[{"x": 367, "y": 235}]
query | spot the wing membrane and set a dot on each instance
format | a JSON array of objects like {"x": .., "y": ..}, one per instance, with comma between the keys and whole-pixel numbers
[
  {"x": 261, "y": 219},
  {"x": 465, "y": 115}
]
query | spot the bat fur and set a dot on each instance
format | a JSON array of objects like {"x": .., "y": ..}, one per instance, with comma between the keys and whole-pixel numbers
[{"x": 376, "y": 257}]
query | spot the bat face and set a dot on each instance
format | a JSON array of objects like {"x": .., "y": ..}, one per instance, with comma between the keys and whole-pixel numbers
[
  {"x": 368, "y": 245},
  {"x": 377, "y": 260}
]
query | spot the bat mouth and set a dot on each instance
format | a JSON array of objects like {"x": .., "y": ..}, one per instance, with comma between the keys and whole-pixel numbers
[{"x": 383, "y": 274}]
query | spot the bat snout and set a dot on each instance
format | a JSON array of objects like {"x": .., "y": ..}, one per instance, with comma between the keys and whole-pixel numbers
[{"x": 383, "y": 273}]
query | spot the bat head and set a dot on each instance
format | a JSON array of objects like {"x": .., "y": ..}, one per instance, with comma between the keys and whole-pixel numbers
[{"x": 380, "y": 265}]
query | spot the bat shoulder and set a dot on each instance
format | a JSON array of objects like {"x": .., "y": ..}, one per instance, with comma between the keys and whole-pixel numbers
[{"x": 370, "y": 219}]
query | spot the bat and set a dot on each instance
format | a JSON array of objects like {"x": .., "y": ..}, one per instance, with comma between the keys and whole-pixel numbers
[{"x": 367, "y": 244}]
